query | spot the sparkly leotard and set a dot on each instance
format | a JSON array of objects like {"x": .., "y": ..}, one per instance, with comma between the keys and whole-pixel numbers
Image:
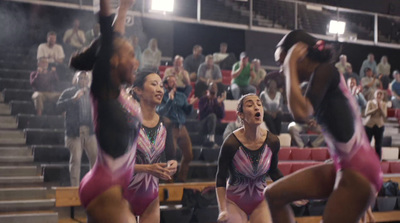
[
  {"x": 143, "y": 188},
  {"x": 337, "y": 112},
  {"x": 247, "y": 170},
  {"x": 117, "y": 122}
]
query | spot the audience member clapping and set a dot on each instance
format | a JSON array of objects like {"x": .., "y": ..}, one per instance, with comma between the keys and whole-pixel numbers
[
  {"x": 208, "y": 72},
  {"x": 181, "y": 76}
]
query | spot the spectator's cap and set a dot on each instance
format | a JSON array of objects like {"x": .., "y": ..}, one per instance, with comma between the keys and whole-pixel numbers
[{"x": 243, "y": 55}]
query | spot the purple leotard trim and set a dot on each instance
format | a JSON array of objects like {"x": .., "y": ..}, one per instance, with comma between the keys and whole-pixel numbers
[
  {"x": 357, "y": 153},
  {"x": 248, "y": 193},
  {"x": 107, "y": 171},
  {"x": 143, "y": 188}
]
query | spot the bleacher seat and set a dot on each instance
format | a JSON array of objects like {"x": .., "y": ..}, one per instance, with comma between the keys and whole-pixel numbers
[
  {"x": 385, "y": 167},
  {"x": 14, "y": 74},
  {"x": 394, "y": 167},
  {"x": 301, "y": 154},
  {"x": 209, "y": 155},
  {"x": 176, "y": 214},
  {"x": 22, "y": 107},
  {"x": 42, "y": 122},
  {"x": 44, "y": 136},
  {"x": 14, "y": 84},
  {"x": 285, "y": 168},
  {"x": 301, "y": 165},
  {"x": 17, "y": 94},
  {"x": 320, "y": 154},
  {"x": 285, "y": 154},
  {"x": 230, "y": 116},
  {"x": 386, "y": 203},
  {"x": 59, "y": 173},
  {"x": 53, "y": 154}
]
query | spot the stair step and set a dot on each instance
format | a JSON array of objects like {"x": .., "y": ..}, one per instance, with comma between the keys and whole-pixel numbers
[
  {"x": 17, "y": 141},
  {"x": 7, "y": 119},
  {"x": 12, "y": 134},
  {"x": 29, "y": 193},
  {"x": 5, "y": 109},
  {"x": 21, "y": 179},
  {"x": 16, "y": 159},
  {"x": 19, "y": 205},
  {"x": 49, "y": 217},
  {"x": 18, "y": 171},
  {"x": 8, "y": 125},
  {"x": 15, "y": 151}
]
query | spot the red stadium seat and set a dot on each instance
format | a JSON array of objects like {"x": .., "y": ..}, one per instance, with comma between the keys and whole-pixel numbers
[
  {"x": 385, "y": 167},
  {"x": 230, "y": 116},
  {"x": 285, "y": 168},
  {"x": 301, "y": 154},
  {"x": 284, "y": 154},
  {"x": 161, "y": 70},
  {"x": 299, "y": 166},
  {"x": 226, "y": 77},
  {"x": 391, "y": 112},
  {"x": 319, "y": 154},
  {"x": 394, "y": 167}
]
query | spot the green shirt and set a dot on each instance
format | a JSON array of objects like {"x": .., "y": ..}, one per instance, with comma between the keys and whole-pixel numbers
[{"x": 244, "y": 77}]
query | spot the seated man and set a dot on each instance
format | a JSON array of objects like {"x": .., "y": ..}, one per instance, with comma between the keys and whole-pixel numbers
[
  {"x": 295, "y": 129},
  {"x": 242, "y": 72},
  {"x": 395, "y": 88},
  {"x": 260, "y": 75},
  {"x": 53, "y": 52},
  {"x": 350, "y": 74},
  {"x": 211, "y": 111},
  {"x": 79, "y": 133},
  {"x": 193, "y": 61},
  {"x": 44, "y": 83},
  {"x": 208, "y": 72},
  {"x": 181, "y": 76},
  {"x": 224, "y": 59}
]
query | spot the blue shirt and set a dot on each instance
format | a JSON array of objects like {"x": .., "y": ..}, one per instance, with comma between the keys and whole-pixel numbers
[
  {"x": 396, "y": 87},
  {"x": 177, "y": 109}
]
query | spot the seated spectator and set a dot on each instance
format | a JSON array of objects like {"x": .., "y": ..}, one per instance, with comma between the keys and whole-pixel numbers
[
  {"x": 211, "y": 111},
  {"x": 138, "y": 50},
  {"x": 224, "y": 59},
  {"x": 368, "y": 63},
  {"x": 342, "y": 64},
  {"x": 259, "y": 75},
  {"x": 242, "y": 72},
  {"x": 208, "y": 72},
  {"x": 350, "y": 74},
  {"x": 181, "y": 76},
  {"x": 375, "y": 114},
  {"x": 272, "y": 102},
  {"x": 370, "y": 84},
  {"x": 53, "y": 52},
  {"x": 93, "y": 34},
  {"x": 151, "y": 56},
  {"x": 175, "y": 106},
  {"x": 44, "y": 83},
  {"x": 231, "y": 127},
  {"x": 356, "y": 92},
  {"x": 74, "y": 38},
  {"x": 79, "y": 133},
  {"x": 295, "y": 129},
  {"x": 383, "y": 70},
  {"x": 193, "y": 61},
  {"x": 395, "y": 89}
]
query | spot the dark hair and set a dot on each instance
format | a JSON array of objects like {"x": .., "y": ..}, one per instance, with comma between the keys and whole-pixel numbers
[
  {"x": 141, "y": 78},
  {"x": 367, "y": 69},
  {"x": 85, "y": 60},
  {"x": 317, "y": 50},
  {"x": 51, "y": 33},
  {"x": 241, "y": 101}
]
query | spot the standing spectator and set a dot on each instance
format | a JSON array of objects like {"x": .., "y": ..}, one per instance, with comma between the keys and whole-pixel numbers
[
  {"x": 151, "y": 57},
  {"x": 181, "y": 76},
  {"x": 79, "y": 134},
  {"x": 342, "y": 64},
  {"x": 242, "y": 72},
  {"x": 93, "y": 34},
  {"x": 44, "y": 83},
  {"x": 175, "y": 107},
  {"x": 355, "y": 90},
  {"x": 368, "y": 63},
  {"x": 272, "y": 102},
  {"x": 211, "y": 111},
  {"x": 138, "y": 50},
  {"x": 350, "y": 74},
  {"x": 224, "y": 59},
  {"x": 376, "y": 113},
  {"x": 74, "y": 38},
  {"x": 395, "y": 89},
  {"x": 259, "y": 75},
  {"x": 208, "y": 72},
  {"x": 50, "y": 50},
  {"x": 193, "y": 61},
  {"x": 370, "y": 84},
  {"x": 383, "y": 70}
]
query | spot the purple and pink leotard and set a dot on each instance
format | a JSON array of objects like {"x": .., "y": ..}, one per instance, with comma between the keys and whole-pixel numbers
[
  {"x": 339, "y": 116},
  {"x": 247, "y": 170},
  {"x": 117, "y": 121}
]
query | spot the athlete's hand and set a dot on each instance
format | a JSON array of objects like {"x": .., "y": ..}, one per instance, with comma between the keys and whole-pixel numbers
[
  {"x": 296, "y": 53},
  {"x": 172, "y": 167},
  {"x": 223, "y": 217},
  {"x": 159, "y": 170}
]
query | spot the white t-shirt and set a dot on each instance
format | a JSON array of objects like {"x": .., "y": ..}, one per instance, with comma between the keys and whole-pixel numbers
[
  {"x": 218, "y": 57},
  {"x": 55, "y": 52}
]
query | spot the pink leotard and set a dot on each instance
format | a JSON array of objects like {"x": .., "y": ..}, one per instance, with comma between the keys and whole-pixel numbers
[
  {"x": 247, "y": 170},
  {"x": 143, "y": 188},
  {"x": 337, "y": 112}
]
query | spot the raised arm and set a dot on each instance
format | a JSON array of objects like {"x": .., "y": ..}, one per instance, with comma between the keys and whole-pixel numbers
[{"x": 119, "y": 23}]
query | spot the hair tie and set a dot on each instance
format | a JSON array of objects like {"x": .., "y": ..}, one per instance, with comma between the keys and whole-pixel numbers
[{"x": 320, "y": 45}]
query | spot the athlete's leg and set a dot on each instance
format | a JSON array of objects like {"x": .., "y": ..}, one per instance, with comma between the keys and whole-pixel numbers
[
  {"x": 261, "y": 214},
  {"x": 152, "y": 212}
]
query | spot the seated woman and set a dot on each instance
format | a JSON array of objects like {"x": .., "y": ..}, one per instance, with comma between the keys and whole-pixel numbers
[
  {"x": 116, "y": 118},
  {"x": 247, "y": 156},
  {"x": 272, "y": 101},
  {"x": 155, "y": 152}
]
